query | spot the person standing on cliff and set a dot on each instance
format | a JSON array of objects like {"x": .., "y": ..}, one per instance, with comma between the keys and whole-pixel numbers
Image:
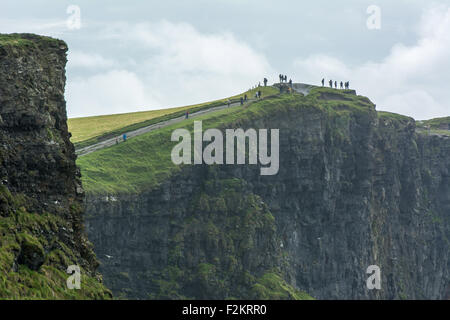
[
  {"x": 265, "y": 82},
  {"x": 331, "y": 83},
  {"x": 323, "y": 82}
]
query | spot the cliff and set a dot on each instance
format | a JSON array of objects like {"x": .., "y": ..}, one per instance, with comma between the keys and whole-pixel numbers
[
  {"x": 355, "y": 188},
  {"x": 41, "y": 199}
]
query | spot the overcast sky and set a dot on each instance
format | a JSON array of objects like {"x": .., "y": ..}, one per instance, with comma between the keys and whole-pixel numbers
[{"x": 139, "y": 55}]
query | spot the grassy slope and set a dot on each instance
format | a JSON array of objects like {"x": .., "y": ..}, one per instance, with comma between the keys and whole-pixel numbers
[
  {"x": 436, "y": 125},
  {"x": 89, "y": 130},
  {"x": 143, "y": 162},
  {"x": 21, "y": 229},
  {"x": 16, "y": 39}
]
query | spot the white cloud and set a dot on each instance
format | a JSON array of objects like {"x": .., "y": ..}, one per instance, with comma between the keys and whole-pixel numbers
[
  {"x": 411, "y": 80},
  {"x": 78, "y": 59},
  {"x": 178, "y": 65},
  {"x": 49, "y": 27},
  {"x": 184, "y": 49},
  {"x": 115, "y": 91}
]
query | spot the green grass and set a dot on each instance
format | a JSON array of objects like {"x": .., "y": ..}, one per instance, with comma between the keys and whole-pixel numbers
[
  {"x": 437, "y": 123},
  {"x": 89, "y": 130},
  {"x": 144, "y": 161},
  {"x": 19, "y": 40},
  {"x": 20, "y": 229},
  {"x": 271, "y": 286},
  {"x": 390, "y": 115},
  {"x": 439, "y": 126}
]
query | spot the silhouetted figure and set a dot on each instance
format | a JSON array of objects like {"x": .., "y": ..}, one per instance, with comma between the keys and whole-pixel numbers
[
  {"x": 335, "y": 84},
  {"x": 285, "y": 78},
  {"x": 265, "y": 82},
  {"x": 242, "y": 101},
  {"x": 290, "y": 83},
  {"x": 323, "y": 82},
  {"x": 281, "y": 77},
  {"x": 348, "y": 84},
  {"x": 331, "y": 83}
]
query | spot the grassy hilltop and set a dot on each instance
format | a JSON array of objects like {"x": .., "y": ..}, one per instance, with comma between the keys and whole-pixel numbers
[
  {"x": 143, "y": 162},
  {"x": 89, "y": 130}
]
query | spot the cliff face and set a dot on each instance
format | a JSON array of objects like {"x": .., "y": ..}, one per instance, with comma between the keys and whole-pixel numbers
[
  {"x": 41, "y": 199},
  {"x": 355, "y": 188}
]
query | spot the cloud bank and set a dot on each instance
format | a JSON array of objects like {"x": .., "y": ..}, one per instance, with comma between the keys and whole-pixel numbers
[
  {"x": 411, "y": 80},
  {"x": 169, "y": 64}
]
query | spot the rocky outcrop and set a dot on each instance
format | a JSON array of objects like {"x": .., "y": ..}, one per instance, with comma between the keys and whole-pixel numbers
[
  {"x": 355, "y": 188},
  {"x": 41, "y": 230}
]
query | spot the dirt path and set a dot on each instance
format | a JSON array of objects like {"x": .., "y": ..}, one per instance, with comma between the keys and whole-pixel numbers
[
  {"x": 299, "y": 87},
  {"x": 112, "y": 141}
]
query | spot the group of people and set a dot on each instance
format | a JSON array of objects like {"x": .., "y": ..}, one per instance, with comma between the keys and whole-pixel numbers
[
  {"x": 259, "y": 84},
  {"x": 283, "y": 78},
  {"x": 258, "y": 94},
  {"x": 342, "y": 85}
]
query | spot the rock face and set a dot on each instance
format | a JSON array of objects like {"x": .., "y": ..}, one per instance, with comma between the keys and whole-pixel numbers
[
  {"x": 355, "y": 188},
  {"x": 40, "y": 192},
  {"x": 37, "y": 156}
]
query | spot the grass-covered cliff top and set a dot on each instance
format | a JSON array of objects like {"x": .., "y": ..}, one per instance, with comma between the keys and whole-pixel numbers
[
  {"x": 440, "y": 126},
  {"x": 89, "y": 130},
  {"x": 26, "y": 39},
  {"x": 143, "y": 162}
]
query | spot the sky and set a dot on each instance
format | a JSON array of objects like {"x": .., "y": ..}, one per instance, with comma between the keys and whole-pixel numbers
[{"x": 132, "y": 55}]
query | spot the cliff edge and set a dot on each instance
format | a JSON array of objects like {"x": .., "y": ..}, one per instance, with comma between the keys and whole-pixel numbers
[{"x": 41, "y": 198}]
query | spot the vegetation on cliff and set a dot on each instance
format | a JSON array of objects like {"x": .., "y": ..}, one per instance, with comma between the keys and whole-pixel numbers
[
  {"x": 34, "y": 259},
  {"x": 223, "y": 247},
  {"x": 143, "y": 162},
  {"x": 41, "y": 226},
  {"x": 439, "y": 126},
  {"x": 356, "y": 187},
  {"x": 89, "y": 130}
]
